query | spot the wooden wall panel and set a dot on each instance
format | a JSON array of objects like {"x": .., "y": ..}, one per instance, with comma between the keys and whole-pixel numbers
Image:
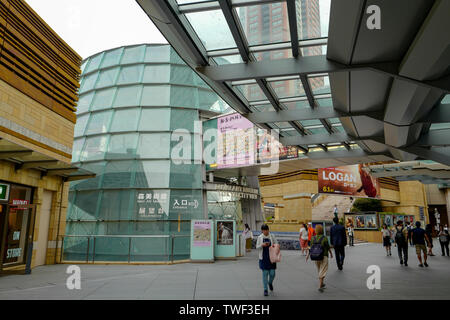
[{"x": 36, "y": 61}]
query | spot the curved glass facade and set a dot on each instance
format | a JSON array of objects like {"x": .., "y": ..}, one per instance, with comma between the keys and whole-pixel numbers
[{"x": 131, "y": 100}]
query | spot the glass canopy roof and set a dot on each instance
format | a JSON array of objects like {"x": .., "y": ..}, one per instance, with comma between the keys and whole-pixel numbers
[
  {"x": 265, "y": 30},
  {"x": 272, "y": 61}
]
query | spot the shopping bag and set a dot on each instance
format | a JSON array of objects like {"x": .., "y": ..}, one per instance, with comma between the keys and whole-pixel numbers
[{"x": 275, "y": 253}]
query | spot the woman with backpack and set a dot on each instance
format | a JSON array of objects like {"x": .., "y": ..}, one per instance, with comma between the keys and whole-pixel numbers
[
  {"x": 320, "y": 248},
  {"x": 386, "y": 233},
  {"x": 444, "y": 240},
  {"x": 265, "y": 240}
]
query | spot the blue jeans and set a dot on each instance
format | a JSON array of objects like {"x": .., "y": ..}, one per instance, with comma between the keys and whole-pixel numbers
[{"x": 268, "y": 276}]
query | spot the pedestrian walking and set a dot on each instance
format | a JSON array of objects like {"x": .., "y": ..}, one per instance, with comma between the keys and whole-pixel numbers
[
  {"x": 429, "y": 231},
  {"x": 335, "y": 211},
  {"x": 419, "y": 237},
  {"x": 303, "y": 238},
  {"x": 350, "y": 235},
  {"x": 338, "y": 240},
  {"x": 444, "y": 239},
  {"x": 409, "y": 229},
  {"x": 319, "y": 251},
  {"x": 265, "y": 240},
  {"x": 248, "y": 237},
  {"x": 386, "y": 233},
  {"x": 311, "y": 233},
  {"x": 401, "y": 234}
]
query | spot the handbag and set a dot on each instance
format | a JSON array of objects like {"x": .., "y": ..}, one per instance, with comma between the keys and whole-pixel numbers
[{"x": 275, "y": 253}]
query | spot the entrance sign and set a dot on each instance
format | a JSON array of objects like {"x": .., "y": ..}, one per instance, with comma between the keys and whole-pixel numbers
[
  {"x": 4, "y": 192},
  {"x": 202, "y": 235},
  {"x": 348, "y": 180}
]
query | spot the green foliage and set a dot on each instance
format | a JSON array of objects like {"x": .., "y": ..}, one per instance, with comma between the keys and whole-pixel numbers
[{"x": 365, "y": 204}]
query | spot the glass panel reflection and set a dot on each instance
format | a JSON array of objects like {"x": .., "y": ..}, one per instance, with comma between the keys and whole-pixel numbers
[
  {"x": 263, "y": 24},
  {"x": 212, "y": 29}
]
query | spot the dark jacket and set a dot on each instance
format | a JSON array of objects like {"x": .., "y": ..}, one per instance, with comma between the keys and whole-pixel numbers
[{"x": 338, "y": 236}]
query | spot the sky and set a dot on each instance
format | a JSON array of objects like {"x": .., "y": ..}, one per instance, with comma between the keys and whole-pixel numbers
[{"x": 91, "y": 26}]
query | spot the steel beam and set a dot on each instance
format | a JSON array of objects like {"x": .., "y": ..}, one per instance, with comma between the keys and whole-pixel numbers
[
  {"x": 439, "y": 114},
  {"x": 304, "y": 66},
  {"x": 235, "y": 28},
  {"x": 436, "y": 138},
  {"x": 292, "y": 14},
  {"x": 317, "y": 139},
  {"x": 306, "y": 114}
]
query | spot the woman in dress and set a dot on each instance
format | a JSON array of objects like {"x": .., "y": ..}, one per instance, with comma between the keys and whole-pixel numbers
[
  {"x": 248, "y": 237},
  {"x": 386, "y": 239},
  {"x": 265, "y": 240},
  {"x": 303, "y": 238}
]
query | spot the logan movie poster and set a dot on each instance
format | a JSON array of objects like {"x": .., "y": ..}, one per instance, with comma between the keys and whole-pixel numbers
[{"x": 348, "y": 180}]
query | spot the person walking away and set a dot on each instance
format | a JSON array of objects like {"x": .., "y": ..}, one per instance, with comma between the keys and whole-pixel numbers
[
  {"x": 303, "y": 238},
  {"x": 386, "y": 233},
  {"x": 350, "y": 235},
  {"x": 419, "y": 237},
  {"x": 319, "y": 251},
  {"x": 444, "y": 239},
  {"x": 248, "y": 237},
  {"x": 265, "y": 240},
  {"x": 393, "y": 236},
  {"x": 401, "y": 234},
  {"x": 429, "y": 231},
  {"x": 335, "y": 211},
  {"x": 338, "y": 240},
  {"x": 311, "y": 233}
]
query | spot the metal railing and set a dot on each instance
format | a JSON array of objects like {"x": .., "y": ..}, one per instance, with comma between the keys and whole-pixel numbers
[{"x": 92, "y": 240}]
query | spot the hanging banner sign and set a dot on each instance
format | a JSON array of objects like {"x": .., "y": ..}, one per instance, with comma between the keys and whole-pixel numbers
[{"x": 348, "y": 180}]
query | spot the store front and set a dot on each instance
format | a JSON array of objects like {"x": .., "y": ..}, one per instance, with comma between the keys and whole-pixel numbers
[{"x": 16, "y": 223}]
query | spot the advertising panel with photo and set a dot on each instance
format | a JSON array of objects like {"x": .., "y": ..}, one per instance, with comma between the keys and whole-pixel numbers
[
  {"x": 370, "y": 221},
  {"x": 235, "y": 141},
  {"x": 225, "y": 233},
  {"x": 388, "y": 220},
  {"x": 360, "y": 222},
  {"x": 351, "y": 180},
  {"x": 349, "y": 221},
  {"x": 202, "y": 233},
  {"x": 266, "y": 148}
]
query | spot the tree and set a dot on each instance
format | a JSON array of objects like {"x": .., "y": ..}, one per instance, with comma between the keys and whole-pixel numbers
[{"x": 366, "y": 204}]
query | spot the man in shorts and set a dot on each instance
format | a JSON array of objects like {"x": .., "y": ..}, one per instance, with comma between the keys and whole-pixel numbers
[{"x": 419, "y": 237}]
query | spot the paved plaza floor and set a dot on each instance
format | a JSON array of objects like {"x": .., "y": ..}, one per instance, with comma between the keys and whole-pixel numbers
[{"x": 241, "y": 279}]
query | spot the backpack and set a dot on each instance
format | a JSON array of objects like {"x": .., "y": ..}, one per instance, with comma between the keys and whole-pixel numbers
[
  {"x": 317, "y": 250},
  {"x": 400, "y": 237},
  {"x": 443, "y": 237}
]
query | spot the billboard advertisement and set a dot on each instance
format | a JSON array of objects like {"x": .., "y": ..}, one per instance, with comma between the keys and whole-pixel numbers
[
  {"x": 235, "y": 141},
  {"x": 351, "y": 180},
  {"x": 241, "y": 143}
]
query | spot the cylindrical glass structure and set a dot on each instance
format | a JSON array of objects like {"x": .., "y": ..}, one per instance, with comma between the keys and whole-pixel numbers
[{"x": 132, "y": 101}]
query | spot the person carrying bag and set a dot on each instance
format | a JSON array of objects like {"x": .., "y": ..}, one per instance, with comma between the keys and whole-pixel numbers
[{"x": 319, "y": 251}]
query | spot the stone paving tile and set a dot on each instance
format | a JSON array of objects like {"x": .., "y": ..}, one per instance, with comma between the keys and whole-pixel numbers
[{"x": 240, "y": 280}]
